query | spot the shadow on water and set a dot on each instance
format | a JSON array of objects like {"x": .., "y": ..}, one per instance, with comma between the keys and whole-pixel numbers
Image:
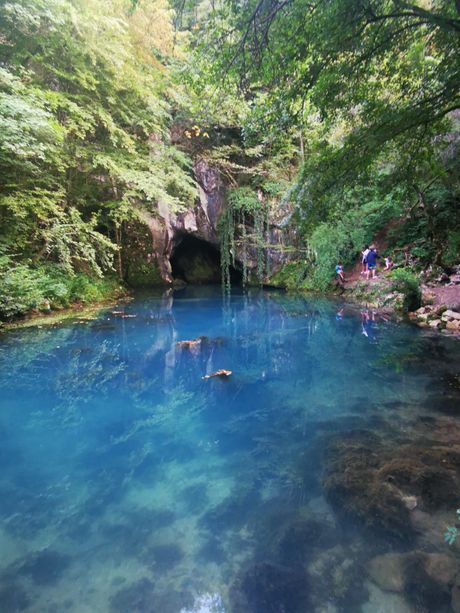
[{"x": 319, "y": 476}]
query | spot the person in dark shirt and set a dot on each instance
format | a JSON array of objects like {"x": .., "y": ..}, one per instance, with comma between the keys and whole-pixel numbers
[{"x": 372, "y": 257}]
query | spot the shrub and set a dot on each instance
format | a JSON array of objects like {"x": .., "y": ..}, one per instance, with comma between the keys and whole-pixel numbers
[
  {"x": 404, "y": 281},
  {"x": 24, "y": 288},
  {"x": 19, "y": 290}
]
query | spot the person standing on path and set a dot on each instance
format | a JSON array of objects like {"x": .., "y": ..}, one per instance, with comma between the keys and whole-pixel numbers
[
  {"x": 364, "y": 253},
  {"x": 372, "y": 257}
]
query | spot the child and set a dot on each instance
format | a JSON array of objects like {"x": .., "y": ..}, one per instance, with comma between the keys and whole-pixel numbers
[
  {"x": 339, "y": 273},
  {"x": 388, "y": 263},
  {"x": 364, "y": 259}
]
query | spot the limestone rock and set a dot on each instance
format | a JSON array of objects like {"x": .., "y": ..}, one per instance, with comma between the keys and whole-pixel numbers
[
  {"x": 449, "y": 314},
  {"x": 270, "y": 588},
  {"x": 152, "y": 243},
  {"x": 453, "y": 325},
  {"x": 382, "y": 601},
  {"x": 410, "y": 502},
  {"x": 333, "y": 572},
  {"x": 387, "y": 571},
  {"x": 394, "y": 571},
  {"x": 435, "y": 323},
  {"x": 372, "y": 482},
  {"x": 442, "y": 568}
]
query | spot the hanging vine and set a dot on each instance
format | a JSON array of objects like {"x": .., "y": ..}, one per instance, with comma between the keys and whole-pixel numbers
[{"x": 245, "y": 210}]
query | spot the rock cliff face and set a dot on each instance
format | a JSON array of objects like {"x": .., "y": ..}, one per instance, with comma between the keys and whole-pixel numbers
[{"x": 159, "y": 250}]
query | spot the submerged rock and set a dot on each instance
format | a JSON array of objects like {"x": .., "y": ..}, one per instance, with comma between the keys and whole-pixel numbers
[
  {"x": 385, "y": 602},
  {"x": 424, "y": 591},
  {"x": 45, "y": 567},
  {"x": 427, "y": 579},
  {"x": 355, "y": 489},
  {"x": 387, "y": 571},
  {"x": 336, "y": 575},
  {"x": 302, "y": 537},
  {"x": 13, "y": 598},
  {"x": 135, "y": 598},
  {"x": 381, "y": 484},
  {"x": 271, "y": 588}
]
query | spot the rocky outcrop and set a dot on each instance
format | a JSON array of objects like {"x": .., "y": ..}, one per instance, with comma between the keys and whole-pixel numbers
[
  {"x": 437, "y": 317},
  {"x": 379, "y": 485},
  {"x": 151, "y": 242},
  {"x": 428, "y": 580}
]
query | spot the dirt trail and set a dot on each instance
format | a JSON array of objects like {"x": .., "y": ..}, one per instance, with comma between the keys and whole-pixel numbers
[{"x": 353, "y": 275}]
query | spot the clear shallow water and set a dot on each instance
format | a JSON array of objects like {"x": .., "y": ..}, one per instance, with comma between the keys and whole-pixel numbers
[{"x": 130, "y": 484}]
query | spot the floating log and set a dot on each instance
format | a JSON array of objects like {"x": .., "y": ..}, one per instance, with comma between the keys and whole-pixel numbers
[
  {"x": 218, "y": 373},
  {"x": 122, "y": 314},
  {"x": 189, "y": 344}
]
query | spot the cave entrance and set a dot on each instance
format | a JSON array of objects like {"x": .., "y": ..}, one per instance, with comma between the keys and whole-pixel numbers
[{"x": 198, "y": 262}]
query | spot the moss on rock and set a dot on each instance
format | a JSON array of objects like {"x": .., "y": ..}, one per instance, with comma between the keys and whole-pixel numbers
[{"x": 140, "y": 268}]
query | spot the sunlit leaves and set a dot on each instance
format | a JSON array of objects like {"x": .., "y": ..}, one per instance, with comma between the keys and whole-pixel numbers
[{"x": 85, "y": 113}]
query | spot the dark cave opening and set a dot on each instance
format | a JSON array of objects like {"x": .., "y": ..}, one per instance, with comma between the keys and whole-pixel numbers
[{"x": 196, "y": 261}]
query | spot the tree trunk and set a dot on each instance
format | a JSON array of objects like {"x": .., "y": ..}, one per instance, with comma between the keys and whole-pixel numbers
[{"x": 118, "y": 241}]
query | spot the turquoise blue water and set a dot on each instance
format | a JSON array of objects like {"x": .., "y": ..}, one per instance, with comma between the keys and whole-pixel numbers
[{"x": 129, "y": 483}]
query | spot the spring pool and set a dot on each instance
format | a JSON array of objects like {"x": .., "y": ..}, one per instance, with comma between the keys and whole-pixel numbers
[{"x": 320, "y": 476}]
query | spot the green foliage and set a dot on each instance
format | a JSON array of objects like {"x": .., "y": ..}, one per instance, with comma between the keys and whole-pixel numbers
[
  {"x": 366, "y": 95},
  {"x": 86, "y": 106},
  {"x": 24, "y": 288},
  {"x": 244, "y": 199},
  {"x": 452, "y": 248},
  {"x": 293, "y": 275},
  {"x": 344, "y": 236},
  {"x": 405, "y": 282}
]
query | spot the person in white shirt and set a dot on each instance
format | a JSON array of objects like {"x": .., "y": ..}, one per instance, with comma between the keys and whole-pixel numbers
[{"x": 364, "y": 253}]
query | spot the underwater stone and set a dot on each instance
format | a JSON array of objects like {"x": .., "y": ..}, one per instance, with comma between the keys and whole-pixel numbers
[
  {"x": 45, "y": 567},
  {"x": 13, "y": 599},
  {"x": 371, "y": 482},
  {"x": 338, "y": 576},
  {"x": 397, "y": 572},
  {"x": 164, "y": 557},
  {"x": 232, "y": 511},
  {"x": 387, "y": 571},
  {"x": 212, "y": 551},
  {"x": 303, "y": 536},
  {"x": 423, "y": 591},
  {"x": 135, "y": 598},
  {"x": 195, "y": 497},
  {"x": 270, "y": 588},
  {"x": 354, "y": 488}
]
